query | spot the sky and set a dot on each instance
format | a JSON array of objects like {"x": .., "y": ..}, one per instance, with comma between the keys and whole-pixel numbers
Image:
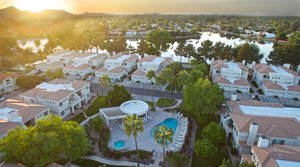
[{"x": 243, "y": 7}]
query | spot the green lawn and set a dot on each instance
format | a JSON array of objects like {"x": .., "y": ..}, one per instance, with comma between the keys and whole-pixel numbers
[
  {"x": 78, "y": 118},
  {"x": 94, "y": 108},
  {"x": 164, "y": 102}
]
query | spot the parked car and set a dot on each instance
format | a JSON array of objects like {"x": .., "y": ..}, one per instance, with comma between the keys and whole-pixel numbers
[
  {"x": 77, "y": 76},
  {"x": 2, "y": 98}
]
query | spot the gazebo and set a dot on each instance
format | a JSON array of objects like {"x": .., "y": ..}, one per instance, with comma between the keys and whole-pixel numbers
[{"x": 131, "y": 107}]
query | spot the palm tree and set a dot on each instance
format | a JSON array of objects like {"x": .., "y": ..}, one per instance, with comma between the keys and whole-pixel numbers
[
  {"x": 163, "y": 136},
  {"x": 150, "y": 75},
  {"x": 132, "y": 126},
  {"x": 105, "y": 82}
]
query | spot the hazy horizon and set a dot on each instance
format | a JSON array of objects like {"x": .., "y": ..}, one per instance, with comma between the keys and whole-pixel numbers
[{"x": 220, "y": 7}]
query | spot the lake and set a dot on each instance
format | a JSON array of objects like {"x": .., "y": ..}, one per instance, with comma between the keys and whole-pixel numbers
[{"x": 265, "y": 48}]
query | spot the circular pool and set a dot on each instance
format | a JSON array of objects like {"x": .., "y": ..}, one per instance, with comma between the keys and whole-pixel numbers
[
  {"x": 134, "y": 107},
  {"x": 119, "y": 144}
]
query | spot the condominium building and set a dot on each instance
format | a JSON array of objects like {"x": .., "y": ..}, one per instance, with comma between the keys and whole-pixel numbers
[
  {"x": 95, "y": 60},
  {"x": 157, "y": 64},
  {"x": 246, "y": 121},
  {"x": 263, "y": 155},
  {"x": 230, "y": 76},
  {"x": 60, "y": 95},
  {"x": 277, "y": 80},
  {"x": 15, "y": 113},
  {"x": 117, "y": 66},
  {"x": 7, "y": 83}
]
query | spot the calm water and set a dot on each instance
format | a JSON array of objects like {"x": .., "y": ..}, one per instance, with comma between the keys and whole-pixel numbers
[
  {"x": 265, "y": 48},
  {"x": 170, "y": 123}
]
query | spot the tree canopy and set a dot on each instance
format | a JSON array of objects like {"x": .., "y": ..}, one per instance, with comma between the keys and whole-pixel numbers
[
  {"x": 202, "y": 97},
  {"x": 214, "y": 133},
  {"x": 288, "y": 52},
  {"x": 248, "y": 52},
  {"x": 205, "y": 149},
  {"x": 117, "y": 96},
  {"x": 159, "y": 40},
  {"x": 50, "y": 140},
  {"x": 29, "y": 81}
]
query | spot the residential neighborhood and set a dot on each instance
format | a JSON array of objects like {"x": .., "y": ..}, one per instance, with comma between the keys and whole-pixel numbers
[{"x": 153, "y": 84}]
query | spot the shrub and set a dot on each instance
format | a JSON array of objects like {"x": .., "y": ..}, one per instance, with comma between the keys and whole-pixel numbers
[
  {"x": 254, "y": 84},
  {"x": 260, "y": 91},
  {"x": 251, "y": 90},
  {"x": 238, "y": 91},
  {"x": 296, "y": 99},
  {"x": 276, "y": 96},
  {"x": 233, "y": 151}
]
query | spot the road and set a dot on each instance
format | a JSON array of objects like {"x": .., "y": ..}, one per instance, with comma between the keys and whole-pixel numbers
[{"x": 96, "y": 89}]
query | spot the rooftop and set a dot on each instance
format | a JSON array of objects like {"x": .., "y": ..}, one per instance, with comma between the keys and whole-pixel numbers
[
  {"x": 278, "y": 156},
  {"x": 272, "y": 111},
  {"x": 134, "y": 107}
]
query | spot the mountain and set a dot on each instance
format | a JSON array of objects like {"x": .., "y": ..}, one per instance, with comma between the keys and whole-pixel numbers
[
  {"x": 14, "y": 14},
  {"x": 10, "y": 12}
]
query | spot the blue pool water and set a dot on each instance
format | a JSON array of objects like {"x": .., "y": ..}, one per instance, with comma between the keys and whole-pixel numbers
[
  {"x": 119, "y": 144},
  {"x": 169, "y": 122}
]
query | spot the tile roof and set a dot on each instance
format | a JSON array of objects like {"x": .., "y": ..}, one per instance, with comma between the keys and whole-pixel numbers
[
  {"x": 221, "y": 80},
  {"x": 147, "y": 59},
  {"x": 272, "y": 85},
  {"x": 6, "y": 126},
  {"x": 3, "y": 76},
  {"x": 57, "y": 95},
  {"x": 263, "y": 68},
  {"x": 273, "y": 126},
  {"x": 138, "y": 73},
  {"x": 268, "y": 156},
  {"x": 26, "y": 111}
]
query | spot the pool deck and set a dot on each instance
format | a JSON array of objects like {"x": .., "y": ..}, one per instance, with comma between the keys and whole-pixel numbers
[{"x": 145, "y": 141}]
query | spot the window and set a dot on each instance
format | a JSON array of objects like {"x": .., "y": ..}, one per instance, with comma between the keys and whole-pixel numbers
[
  {"x": 275, "y": 141},
  {"x": 60, "y": 104},
  {"x": 62, "y": 113},
  {"x": 31, "y": 100}
]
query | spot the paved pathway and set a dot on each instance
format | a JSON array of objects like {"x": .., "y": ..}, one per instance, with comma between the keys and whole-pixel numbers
[{"x": 111, "y": 162}]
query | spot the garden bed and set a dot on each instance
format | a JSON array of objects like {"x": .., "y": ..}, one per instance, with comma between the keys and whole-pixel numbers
[{"x": 164, "y": 102}]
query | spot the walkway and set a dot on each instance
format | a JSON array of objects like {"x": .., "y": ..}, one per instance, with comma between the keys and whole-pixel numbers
[{"x": 111, "y": 162}]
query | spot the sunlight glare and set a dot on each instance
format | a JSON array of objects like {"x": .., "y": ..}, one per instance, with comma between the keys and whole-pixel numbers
[{"x": 39, "y": 5}]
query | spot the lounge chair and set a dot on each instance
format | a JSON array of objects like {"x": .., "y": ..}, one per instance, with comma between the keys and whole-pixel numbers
[
  {"x": 178, "y": 145},
  {"x": 178, "y": 114},
  {"x": 172, "y": 149},
  {"x": 149, "y": 117}
]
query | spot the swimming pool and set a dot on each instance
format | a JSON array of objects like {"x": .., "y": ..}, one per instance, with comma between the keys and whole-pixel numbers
[
  {"x": 169, "y": 122},
  {"x": 119, "y": 144}
]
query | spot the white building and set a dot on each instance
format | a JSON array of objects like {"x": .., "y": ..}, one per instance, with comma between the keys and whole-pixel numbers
[
  {"x": 274, "y": 156},
  {"x": 117, "y": 66},
  {"x": 246, "y": 121},
  {"x": 49, "y": 66},
  {"x": 60, "y": 95},
  {"x": 7, "y": 83},
  {"x": 230, "y": 76},
  {"x": 15, "y": 113},
  {"x": 81, "y": 70},
  {"x": 64, "y": 56},
  {"x": 157, "y": 64},
  {"x": 95, "y": 60},
  {"x": 277, "y": 80}
]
